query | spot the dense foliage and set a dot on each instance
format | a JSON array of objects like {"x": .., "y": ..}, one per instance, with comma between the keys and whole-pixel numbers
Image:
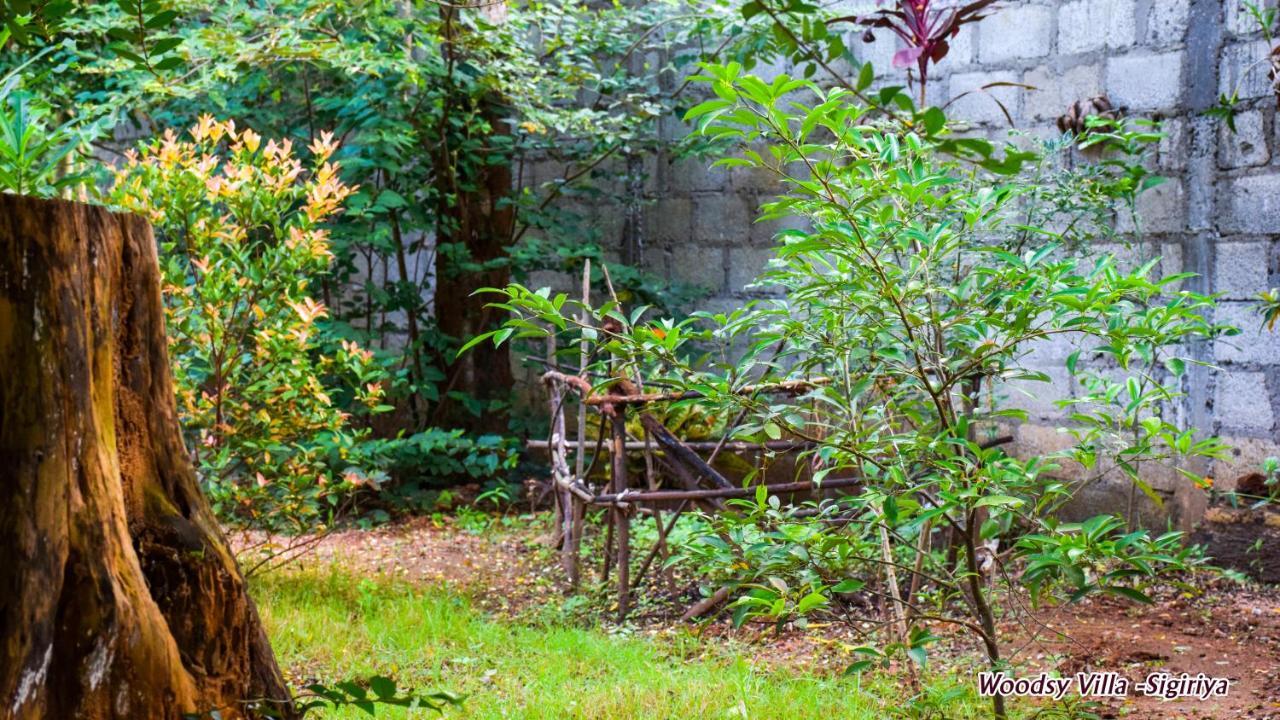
[
  {"x": 447, "y": 121},
  {"x": 240, "y": 224},
  {"x": 913, "y": 299},
  {"x": 327, "y": 340}
]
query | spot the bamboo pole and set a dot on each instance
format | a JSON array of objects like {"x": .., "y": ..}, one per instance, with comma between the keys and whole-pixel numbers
[
  {"x": 556, "y": 443},
  {"x": 696, "y": 445},
  {"x": 638, "y": 498},
  {"x": 577, "y": 507},
  {"x": 787, "y": 386},
  {"x": 679, "y": 451}
]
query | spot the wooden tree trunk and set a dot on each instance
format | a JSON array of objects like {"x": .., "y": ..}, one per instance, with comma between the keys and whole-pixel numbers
[
  {"x": 480, "y": 220},
  {"x": 477, "y": 216},
  {"x": 119, "y": 597}
]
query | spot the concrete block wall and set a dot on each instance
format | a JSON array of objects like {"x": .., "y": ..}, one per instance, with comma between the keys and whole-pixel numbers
[{"x": 1218, "y": 215}]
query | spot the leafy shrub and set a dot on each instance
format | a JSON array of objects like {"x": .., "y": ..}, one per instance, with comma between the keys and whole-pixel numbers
[
  {"x": 35, "y": 154},
  {"x": 914, "y": 293},
  {"x": 241, "y": 231}
]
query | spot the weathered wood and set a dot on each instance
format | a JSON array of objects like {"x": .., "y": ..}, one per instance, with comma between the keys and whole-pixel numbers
[
  {"x": 705, "y": 605},
  {"x": 696, "y": 445},
  {"x": 562, "y": 529},
  {"x": 621, "y": 519},
  {"x": 784, "y": 387},
  {"x": 670, "y": 495},
  {"x": 573, "y": 543},
  {"x": 639, "y": 498},
  {"x": 119, "y": 596},
  {"x": 679, "y": 452}
]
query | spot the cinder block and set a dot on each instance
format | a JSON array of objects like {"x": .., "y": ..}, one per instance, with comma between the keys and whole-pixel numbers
[
  {"x": 979, "y": 106},
  {"x": 745, "y": 266},
  {"x": 722, "y": 219},
  {"x": 1246, "y": 456},
  {"x": 1038, "y": 399},
  {"x": 556, "y": 280},
  {"x": 1242, "y": 402},
  {"x": 1251, "y": 204},
  {"x": 962, "y": 47},
  {"x": 1129, "y": 257},
  {"x": 878, "y": 53},
  {"x": 1241, "y": 270},
  {"x": 1031, "y": 439},
  {"x": 1247, "y": 146},
  {"x": 1240, "y": 70},
  {"x": 1162, "y": 209},
  {"x": 755, "y": 179},
  {"x": 699, "y": 265},
  {"x": 1087, "y": 25},
  {"x": 1254, "y": 344},
  {"x": 1238, "y": 19},
  {"x": 697, "y": 175},
  {"x": 1145, "y": 82},
  {"x": 763, "y": 232},
  {"x": 1015, "y": 32},
  {"x": 1171, "y": 153},
  {"x": 1167, "y": 22},
  {"x": 1056, "y": 90},
  {"x": 670, "y": 221},
  {"x": 1052, "y": 351}
]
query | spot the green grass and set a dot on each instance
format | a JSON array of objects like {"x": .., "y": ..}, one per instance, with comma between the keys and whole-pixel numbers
[{"x": 334, "y": 626}]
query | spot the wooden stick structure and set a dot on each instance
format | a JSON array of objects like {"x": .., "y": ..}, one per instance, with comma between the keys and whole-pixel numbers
[
  {"x": 689, "y": 464},
  {"x": 617, "y": 395}
]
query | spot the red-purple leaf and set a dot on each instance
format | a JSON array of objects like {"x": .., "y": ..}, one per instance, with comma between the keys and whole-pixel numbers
[
  {"x": 938, "y": 50},
  {"x": 906, "y": 56}
]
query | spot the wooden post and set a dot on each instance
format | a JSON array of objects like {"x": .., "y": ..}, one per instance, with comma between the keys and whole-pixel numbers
[
  {"x": 621, "y": 518},
  {"x": 573, "y": 543},
  {"x": 556, "y": 445}
]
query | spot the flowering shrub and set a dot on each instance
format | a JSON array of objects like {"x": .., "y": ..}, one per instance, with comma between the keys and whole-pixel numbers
[{"x": 260, "y": 388}]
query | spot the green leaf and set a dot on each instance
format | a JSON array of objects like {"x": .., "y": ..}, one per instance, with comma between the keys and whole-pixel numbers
[
  {"x": 161, "y": 19},
  {"x": 390, "y": 199},
  {"x": 866, "y": 76},
  {"x": 848, "y": 586},
  {"x": 1130, "y": 593},
  {"x": 934, "y": 120},
  {"x": 164, "y": 45},
  {"x": 859, "y": 666},
  {"x": 998, "y": 501},
  {"x": 890, "y": 507},
  {"x": 810, "y": 601}
]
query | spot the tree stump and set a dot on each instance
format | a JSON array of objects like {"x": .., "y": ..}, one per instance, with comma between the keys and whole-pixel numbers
[{"x": 119, "y": 596}]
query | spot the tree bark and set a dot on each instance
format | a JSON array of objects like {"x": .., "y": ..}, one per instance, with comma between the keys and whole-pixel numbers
[
  {"x": 119, "y": 596},
  {"x": 477, "y": 217}
]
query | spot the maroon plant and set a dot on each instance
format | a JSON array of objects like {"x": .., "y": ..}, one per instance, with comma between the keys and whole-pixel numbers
[{"x": 926, "y": 30}]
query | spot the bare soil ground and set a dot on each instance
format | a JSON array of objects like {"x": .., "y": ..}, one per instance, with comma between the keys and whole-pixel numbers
[{"x": 1227, "y": 631}]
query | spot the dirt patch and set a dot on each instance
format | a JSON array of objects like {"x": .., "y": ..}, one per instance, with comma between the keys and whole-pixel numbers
[
  {"x": 418, "y": 550},
  {"x": 1229, "y": 632},
  {"x": 1243, "y": 539}
]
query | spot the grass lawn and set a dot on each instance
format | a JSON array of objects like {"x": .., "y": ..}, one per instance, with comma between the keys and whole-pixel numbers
[{"x": 332, "y": 625}]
